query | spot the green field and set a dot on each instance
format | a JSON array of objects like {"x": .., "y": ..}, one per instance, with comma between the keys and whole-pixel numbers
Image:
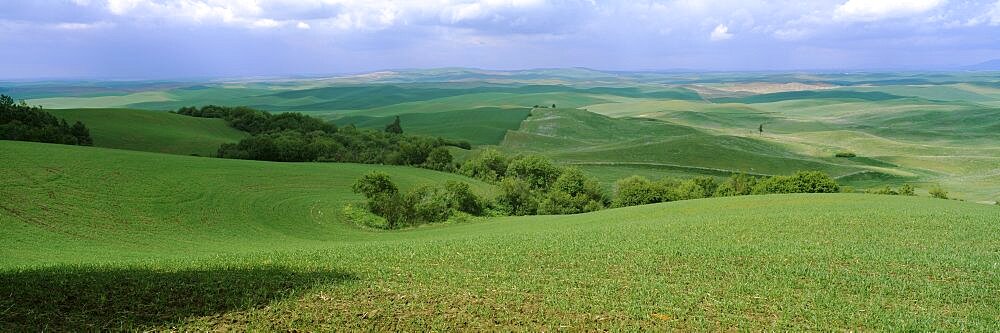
[
  {"x": 239, "y": 249},
  {"x": 135, "y": 235},
  {"x": 478, "y": 126},
  {"x": 160, "y": 132}
]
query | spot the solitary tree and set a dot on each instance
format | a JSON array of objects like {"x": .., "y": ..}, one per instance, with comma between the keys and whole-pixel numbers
[
  {"x": 553, "y": 106},
  {"x": 761, "y": 129},
  {"x": 394, "y": 128}
]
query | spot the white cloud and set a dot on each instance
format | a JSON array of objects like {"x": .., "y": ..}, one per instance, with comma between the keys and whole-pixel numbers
[
  {"x": 266, "y": 23},
  {"x": 80, "y": 26},
  {"x": 992, "y": 17},
  {"x": 875, "y": 10},
  {"x": 303, "y": 25},
  {"x": 720, "y": 33},
  {"x": 348, "y": 14}
]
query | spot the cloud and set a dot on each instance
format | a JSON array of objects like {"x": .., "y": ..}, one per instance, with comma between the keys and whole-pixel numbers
[
  {"x": 875, "y": 10},
  {"x": 992, "y": 17},
  {"x": 266, "y": 23},
  {"x": 81, "y": 26},
  {"x": 720, "y": 33},
  {"x": 303, "y": 25}
]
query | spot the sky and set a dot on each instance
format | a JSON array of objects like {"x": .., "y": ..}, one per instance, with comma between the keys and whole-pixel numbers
[{"x": 149, "y": 39}]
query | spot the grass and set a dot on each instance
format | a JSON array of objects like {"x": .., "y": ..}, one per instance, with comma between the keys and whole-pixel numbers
[
  {"x": 581, "y": 137},
  {"x": 99, "y": 239},
  {"x": 478, "y": 126},
  {"x": 153, "y": 131}
]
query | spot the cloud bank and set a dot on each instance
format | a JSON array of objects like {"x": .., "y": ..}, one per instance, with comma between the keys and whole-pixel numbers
[{"x": 161, "y": 38}]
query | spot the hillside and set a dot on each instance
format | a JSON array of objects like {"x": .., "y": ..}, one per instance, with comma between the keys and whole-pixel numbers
[
  {"x": 110, "y": 239},
  {"x": 478, "y": 126},
  {"x": 646, "y": 146},
  {"x": 153, "y": 131}
]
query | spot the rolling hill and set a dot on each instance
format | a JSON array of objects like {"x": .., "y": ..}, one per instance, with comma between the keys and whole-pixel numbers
[
  {"x": 153, "y": 131},
  {"x": 478, "y": 126},
  {"x": 98, "y": 239}
]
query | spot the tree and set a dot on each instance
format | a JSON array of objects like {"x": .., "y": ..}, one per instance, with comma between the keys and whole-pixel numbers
[
  {"x": 553, "y": 106},
  {"x": 490, "y": 165},
  {"x": 439, "y": 159},
  {"x": 634, "y": 191},
  {"x": 516, "y": 197},
  {"x": 394, "y": 127},
  {"x": 20, "y": 121},
  {"x": 800, "y": 182},
  {"x": 375, "y": 183},
  {"x": 82, "y": 134},
  {"x": 461, "y": 198},
  {"x": 536, "y": 170},
  {"x": 572, "y": 193},
  {"x": 383, "y": 197}
]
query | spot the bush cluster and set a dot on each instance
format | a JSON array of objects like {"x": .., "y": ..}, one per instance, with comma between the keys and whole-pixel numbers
[
  {"x": 905, "y": 189},
  {"x": 21, "y": 122},
  {"x": 638, "y": 190},
  {"x": 938, "y": 192},
  {"x": 423, "y": 204},
  {"x": 532, "y": 184},
  {"x": 294, "y": 137}
]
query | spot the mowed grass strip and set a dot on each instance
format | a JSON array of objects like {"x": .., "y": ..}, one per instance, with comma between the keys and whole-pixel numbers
[{"x": 236, "y": 245}]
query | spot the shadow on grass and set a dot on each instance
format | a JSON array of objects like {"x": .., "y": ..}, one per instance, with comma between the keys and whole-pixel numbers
[{"x": 90, "y": 299}]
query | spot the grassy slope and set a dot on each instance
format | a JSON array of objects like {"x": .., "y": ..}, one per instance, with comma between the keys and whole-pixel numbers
[
  {"x": 478, "y": 126},
  {"x": 929, "y": 142},
  {"x": 153, "y": 131},
  {"x": 103, "y": 195},
  {"x": 576, "y": 136},
  {"x": 161, "y": 241}
]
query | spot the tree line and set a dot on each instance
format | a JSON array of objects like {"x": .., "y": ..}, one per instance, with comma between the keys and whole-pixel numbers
[
  {"x": 533, "y": 185},
  {"x": 22, "y": 122},
  {"x": 294, "y": 137}
]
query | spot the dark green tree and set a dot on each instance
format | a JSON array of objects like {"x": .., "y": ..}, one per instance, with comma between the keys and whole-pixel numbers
[
  {"x": 394, "y": 127},
  {"x": 439, "y": 159}
]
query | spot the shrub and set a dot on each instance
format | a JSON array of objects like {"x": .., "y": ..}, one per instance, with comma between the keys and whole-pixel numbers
[
  {"x": 737, "y": 184},
  {"x": 938, "y": 192},
  {"x": 375, "y": 183},
  {"x": 383, "y": 198},
  {"x": 800, "y": 182},
  {"x": 490, "y": 165},
  {"x": 439, "y": 159},
  {"x": 537, "y": 171},
  {"x": 422, "y": 204},
  {"x": 364, "y": 218},
  {"x": 884, "y": 191},
  {"x": 634, "y": 191},
  {"x": 516, "y": 198},
  {"x": 461, "y": 198},
  {"x": 426, "y": 204},
  {"x": 907, "y": 189},
  {"x": 571, "y": 193},
  {"x": 686, "y": 190},
  {"x": 708, "y": 184},
  {"x": 845, "y": 154}
]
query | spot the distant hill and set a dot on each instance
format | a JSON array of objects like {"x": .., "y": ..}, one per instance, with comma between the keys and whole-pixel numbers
[
  {"x": 153, "y": 131},
  {"x": 991, "y": 65}
]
